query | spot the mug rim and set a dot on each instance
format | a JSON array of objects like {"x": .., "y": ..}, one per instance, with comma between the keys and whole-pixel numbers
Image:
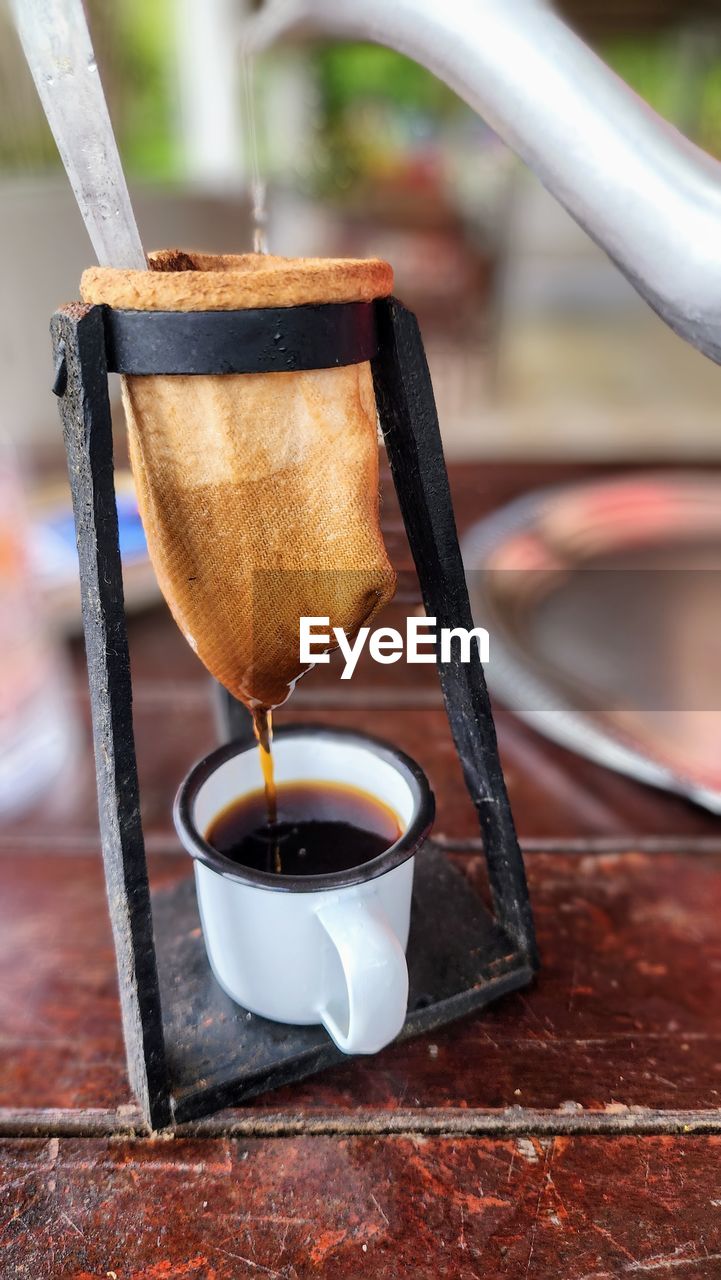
[{"x": 407, "y": 844}]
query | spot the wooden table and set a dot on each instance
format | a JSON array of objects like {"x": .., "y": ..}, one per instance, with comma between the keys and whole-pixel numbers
[{"x": 569, "y": 1131}]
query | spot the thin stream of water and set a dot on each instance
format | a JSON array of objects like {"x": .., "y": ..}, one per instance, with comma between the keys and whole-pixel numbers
[
  {"x": 258, "y": 184},
  {"x": 263, "y": 729}
]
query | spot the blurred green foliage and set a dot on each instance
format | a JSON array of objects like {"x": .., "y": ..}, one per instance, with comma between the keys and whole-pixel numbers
[
  {"x": 679, "y": 75},
  {"x": 350, "y": 73},
  {"x": 377, "y": 109},
  {"x": 143, "y": 74}
]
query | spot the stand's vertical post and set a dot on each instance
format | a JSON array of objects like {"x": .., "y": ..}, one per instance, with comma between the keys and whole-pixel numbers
[
  {"x": 81, "y": 382},
  {"x": 233, "y": 720},
  {"x": 412, "y": 436}
]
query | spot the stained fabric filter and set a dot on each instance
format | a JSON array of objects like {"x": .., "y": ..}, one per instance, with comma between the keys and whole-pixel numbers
[{"x": 258, "y": 492}]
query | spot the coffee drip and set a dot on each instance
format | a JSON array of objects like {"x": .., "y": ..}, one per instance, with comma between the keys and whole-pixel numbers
[{"x": 263, "y": 729}]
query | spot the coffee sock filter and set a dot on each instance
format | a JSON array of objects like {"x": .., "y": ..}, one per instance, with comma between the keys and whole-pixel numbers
[{"x": 258, "y": 492}]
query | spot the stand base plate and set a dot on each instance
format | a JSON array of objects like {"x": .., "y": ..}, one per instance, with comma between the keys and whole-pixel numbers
[{"x": 218, "y": 1054}]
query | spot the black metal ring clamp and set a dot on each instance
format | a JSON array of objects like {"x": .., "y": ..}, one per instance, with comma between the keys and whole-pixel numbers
[
  {"x": 263, "y": 340},
  {"x": 268, "y": 340}
]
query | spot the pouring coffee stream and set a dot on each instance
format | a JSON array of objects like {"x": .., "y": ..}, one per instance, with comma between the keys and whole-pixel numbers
[{"x": 263, "y": 730}]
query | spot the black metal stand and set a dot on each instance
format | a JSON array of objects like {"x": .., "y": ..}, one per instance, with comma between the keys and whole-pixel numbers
[{"x": 190, "y": 1049}]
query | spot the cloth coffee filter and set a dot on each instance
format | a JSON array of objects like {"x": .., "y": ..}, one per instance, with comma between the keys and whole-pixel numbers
[{"x": 258, "y": 492}]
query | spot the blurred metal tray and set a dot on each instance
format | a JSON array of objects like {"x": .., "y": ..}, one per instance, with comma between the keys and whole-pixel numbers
[{"x": 603, "y": 603}]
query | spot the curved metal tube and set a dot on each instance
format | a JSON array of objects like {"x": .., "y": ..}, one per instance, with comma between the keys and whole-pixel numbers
[{"x": 641, "y": 190}]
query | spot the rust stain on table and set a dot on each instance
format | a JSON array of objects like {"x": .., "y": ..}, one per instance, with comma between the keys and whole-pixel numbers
[{"x": 527, "y": 1207}]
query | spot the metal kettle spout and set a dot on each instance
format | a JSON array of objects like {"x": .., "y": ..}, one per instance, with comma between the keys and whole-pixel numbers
[{"x": 649, "y": 197}]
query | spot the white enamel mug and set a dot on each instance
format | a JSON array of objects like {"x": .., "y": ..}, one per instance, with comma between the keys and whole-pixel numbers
[{"x": 324, "y": 949}]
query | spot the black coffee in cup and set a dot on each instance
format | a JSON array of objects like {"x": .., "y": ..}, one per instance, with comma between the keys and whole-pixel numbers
[{"x": 321, "y": 827}]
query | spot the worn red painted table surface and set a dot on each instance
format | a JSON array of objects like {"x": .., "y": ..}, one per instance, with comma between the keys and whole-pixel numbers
[{"x": 569, "y": 1131}]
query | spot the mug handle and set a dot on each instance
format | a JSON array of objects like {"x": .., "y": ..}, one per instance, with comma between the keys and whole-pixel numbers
[{"x": 375, "y": 971}]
